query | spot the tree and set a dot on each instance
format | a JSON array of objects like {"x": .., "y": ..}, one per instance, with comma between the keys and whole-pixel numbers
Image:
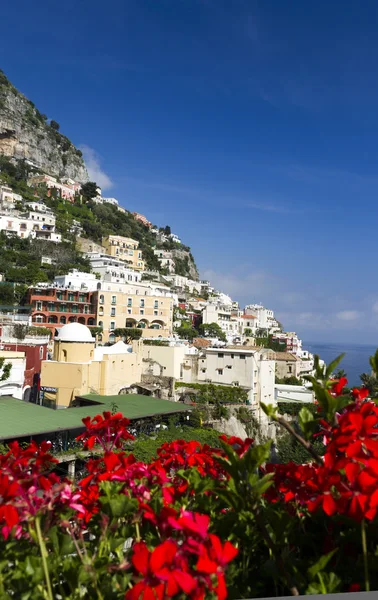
[
  {"x": 220, "y": 412},
  {"x": 291, "y": 380},
  {"x": 128, "y": 334},
  {"x": 6, "y": 369},
  {"x": 212, "y": 330},
  {"x": 20, "y": 331},
  {"x": 54, "y": 125},
  {"x": 187, "y": 333},
  {"x": 167, "y": 230},
  {"x": 248, "y": 332},
  {"x": 89, "y": 190},
  {"x": 95, "y": 331}
]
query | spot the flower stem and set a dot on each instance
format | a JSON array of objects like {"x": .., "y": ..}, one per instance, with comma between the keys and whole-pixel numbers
[
  {"x": 137, "y": 532},
  {"x": 364, "y": 550},
  {"x": 44, "y": 555},
  {"x": 300, "y": 439}
]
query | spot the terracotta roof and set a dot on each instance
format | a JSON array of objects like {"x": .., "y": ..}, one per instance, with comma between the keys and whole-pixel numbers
[
  {"x": 286, "y": 356},
  {"x": 201, "y": 343},
  {"x": 247, "y": 317}
]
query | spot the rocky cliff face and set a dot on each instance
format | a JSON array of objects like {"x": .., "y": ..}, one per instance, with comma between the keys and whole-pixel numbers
[
  {"x": 25, "y": 134},
  {"x": 185, "y": 259}
]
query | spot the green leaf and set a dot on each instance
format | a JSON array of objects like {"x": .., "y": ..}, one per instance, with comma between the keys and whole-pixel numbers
[
  {"x": 332, "y": 366},
  {"x": 269, "y": 409},
  {"x": 329, "y": 583},
  {"x": 307, "y": 422},
  {"x": 321, "y": 563}
]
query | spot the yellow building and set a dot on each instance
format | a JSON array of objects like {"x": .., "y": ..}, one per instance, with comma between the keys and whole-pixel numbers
[
  {"x": 125, "y": 249},
  {"x": 79, "y": 368},
  {"x": 134, "y": 307}
]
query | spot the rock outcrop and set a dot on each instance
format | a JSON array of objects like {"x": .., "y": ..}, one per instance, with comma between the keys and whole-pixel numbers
[{"x": 26, "y": 134}]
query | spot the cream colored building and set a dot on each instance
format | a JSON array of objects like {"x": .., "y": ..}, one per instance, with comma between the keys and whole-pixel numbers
[
  {"x": 137, "y": 305},
  {"x": 167, "y": 361},
  {"x": 79, "y": 368},
  {"x": 252, "y": 369},
  {"x": 125, "y": 249},
  {"x": 287, "y": 365}
]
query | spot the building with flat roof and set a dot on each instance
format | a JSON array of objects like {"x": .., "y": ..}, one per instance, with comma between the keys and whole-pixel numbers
[
  {"x": 54, "y": 306},
  {"x": 125, "y": 249}
]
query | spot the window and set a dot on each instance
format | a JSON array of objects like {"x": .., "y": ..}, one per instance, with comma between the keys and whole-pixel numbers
[
  {"x": 101, "y": 324},
  {"x": 236, "y": 383},
  {"x": 113, "y": 312},
  {"x": 71, "y": 297},
  {"x": 39, "y": 305},
  {"x": 156, "y": 304},
  {"x": 220, "y": 355},
  {"x": 220, "y": 371},
  {"x": 129, "y": 311},
  {"x": 142, "y": 303},
  {"x": 203, "y": 370},
  {"x": 114, "y": 299},
  {"x": 156, "y": 312},
  {"x": 232, "y": 355},
  {"x": 112, "y": 325},
  {"x": 129, "y": 302},
  {"x": 41, "y": 352},
  {"x": 242, "y": 356},
  {"x": 142, "y": 311},
  {"x": 39, "y": 319},
  {"x": 290, "y": 369},
  {"x": 102, "y": 299}
]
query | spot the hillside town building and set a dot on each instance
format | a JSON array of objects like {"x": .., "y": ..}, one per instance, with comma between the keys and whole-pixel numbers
[{"x": 125, "y": 249}]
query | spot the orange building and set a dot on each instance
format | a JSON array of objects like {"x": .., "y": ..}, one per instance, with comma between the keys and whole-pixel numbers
[{"x": 54, "y": 307}]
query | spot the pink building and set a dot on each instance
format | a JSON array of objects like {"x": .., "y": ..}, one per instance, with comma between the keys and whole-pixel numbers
[
  {"x": 142, "y": 219},
  {"x": 66, "y": 190}
]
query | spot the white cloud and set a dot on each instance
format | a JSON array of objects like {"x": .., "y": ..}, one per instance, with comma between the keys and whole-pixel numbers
[
  {"x": 95, "y": 172},
  {"x": 374, "y": 308},
  {"x": 348, "y": 315}
]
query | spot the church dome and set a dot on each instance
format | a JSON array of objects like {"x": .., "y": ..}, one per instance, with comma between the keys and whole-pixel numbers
[{"x": 75, "y": 332}]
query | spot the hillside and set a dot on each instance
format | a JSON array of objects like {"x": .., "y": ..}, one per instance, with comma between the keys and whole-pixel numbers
[
  {"x": 21, "y": 260},
  {"x": 26, "y": 134}
]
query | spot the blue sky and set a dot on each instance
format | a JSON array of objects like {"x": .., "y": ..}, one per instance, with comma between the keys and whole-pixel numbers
[{"x": 250, "y": 127}]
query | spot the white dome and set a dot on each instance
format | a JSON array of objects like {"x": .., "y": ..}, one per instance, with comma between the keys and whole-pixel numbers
[{"x": 74, "y": 332}]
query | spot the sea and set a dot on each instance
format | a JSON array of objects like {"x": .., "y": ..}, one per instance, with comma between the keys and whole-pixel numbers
[{"x": 355, "y": 361}]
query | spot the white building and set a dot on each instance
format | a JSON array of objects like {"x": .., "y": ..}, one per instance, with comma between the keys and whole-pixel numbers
[
  {"x": 221, "y": 315},
  {"x": 112, "y": 269},
  {"x": 265, "y": 317},
  {"x": 174, "y": 238},
  {"x": 13, "y": 386},
  {"x": 166, "y": 260},
  {"x": 25, "y": 227},
  {"x": 38, "y": 207},
  {"x": 8, "y": 197},
  {"x": 292, "y": 393},
  {"x": 77, "y": 280},
  {"x": 252, "y": 369},
  {"x": 110, "y": 201},
  {"x": 184, "y": 283}
]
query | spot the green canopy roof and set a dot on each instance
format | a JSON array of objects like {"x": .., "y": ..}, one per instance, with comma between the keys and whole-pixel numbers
[{"x": 22, "y": 419}]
